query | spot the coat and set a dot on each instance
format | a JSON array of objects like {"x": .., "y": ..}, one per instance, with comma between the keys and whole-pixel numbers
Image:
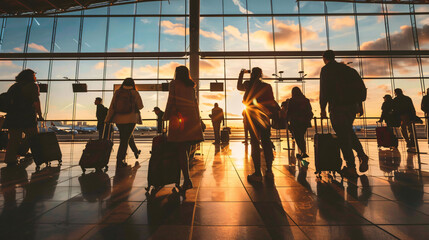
[
  {"x": 133, "y": 117},
  {"x": 299, "y": 112},
  {"x": 182, "y": 112}
]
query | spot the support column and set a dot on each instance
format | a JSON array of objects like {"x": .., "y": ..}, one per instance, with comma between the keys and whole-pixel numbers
[{"x": 194, "y": 41}]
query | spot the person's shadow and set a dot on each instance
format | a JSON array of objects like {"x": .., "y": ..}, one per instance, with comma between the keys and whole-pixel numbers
[{"x": 95, "y": 186}]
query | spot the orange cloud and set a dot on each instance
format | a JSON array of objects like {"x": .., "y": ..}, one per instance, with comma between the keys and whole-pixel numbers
[
  {"x": 38, "y": 47},
  {"x": 174, "y": 28},
  {"x": 219, "y": 96},
  {"x": 210, "y": 35},
  {"x": 99, "y": 65},
  {"x": 339, "y": 23},
  {"x": 234, "y": 32},
  {"x": 18, "y": 49}
]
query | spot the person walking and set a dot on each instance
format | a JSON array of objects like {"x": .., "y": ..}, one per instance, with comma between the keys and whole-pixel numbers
[
  {"x": 124, "y": 111},
  {"x": 342, "y": 88},
  {"x": 217, "y": 118},
  {"x": 404, "y": 108},
  {"x": 299, "y": 115},
  {"x": 22, "y": 114},
  {"x": 260, "y": 107},
  {"x": 387, "y": 112},
  {"x": 159, "y": 122},
  {"x": 101, "y": 114},
  {"x": 182, "y": 112}
]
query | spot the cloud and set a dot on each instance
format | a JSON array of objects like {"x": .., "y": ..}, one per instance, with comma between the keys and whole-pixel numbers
[
  {"x": 339, "y": 23},
  {"x": 384, "y": 88},
  {"x": 166, "y": 70},
  {"x": 210, "y": 35},
  {"x": 234, "y": 32},
  {"x": 241, "y": 8},
  {"x": 18, "y": 49},
  {"x": 207, "y": 104},
  {"x": 174, "y": 28},
  {"x": 38, "y": 47},
  {"x": 233, "y": 115},
  {"x": 286, "y": 35},
  {"x": 210, "y": 66},
  {"x": 122, "y": 73},
  {"x": 145, "y": 20},
  {"x": 403, "y": 40},
  {"x": 99, "y": 65},
  {"x": 128, "y": 48},
  {"x": 218, "y": 96}
]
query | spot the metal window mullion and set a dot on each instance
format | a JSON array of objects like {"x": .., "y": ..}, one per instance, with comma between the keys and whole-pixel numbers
[
  {"x": 248, "y": 32},
  {"x": 48, "y": 93},
  {"x": 325, "y": 7},
  {"x": 3, "y": 26},
  {"x": 417, "y": 46},
  {"x": 389, "y": 45},
  {"x": 134, "y": 39},
  {"x": 27, "y": 38},
  {"x": 224, "y": 61},
  {"x": 105, "y": 50},
  {"x": 159, "y": 50}
]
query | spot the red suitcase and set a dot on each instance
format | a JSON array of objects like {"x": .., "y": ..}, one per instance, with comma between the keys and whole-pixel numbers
[
  {"x": 386, "y": 137},
  {"x": 97, "y": 153}
]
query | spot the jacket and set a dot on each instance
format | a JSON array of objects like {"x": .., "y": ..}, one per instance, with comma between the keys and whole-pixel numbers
[
  {"x": 182, "y": 112},
  {"x": 299, "y": 112},
  {"x": 133, "y": 117}
]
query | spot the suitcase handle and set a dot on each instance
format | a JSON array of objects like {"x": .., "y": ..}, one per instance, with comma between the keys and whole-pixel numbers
[
  {"x": 321, "y": 124},
  {"x": 104, "y": 131}
]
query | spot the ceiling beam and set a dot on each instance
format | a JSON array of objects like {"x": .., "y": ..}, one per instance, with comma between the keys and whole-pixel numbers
[
  {"x": 24, "y": 5},
  {"x": 78, "y": 3},
  {"x": 52, "y": 5}
]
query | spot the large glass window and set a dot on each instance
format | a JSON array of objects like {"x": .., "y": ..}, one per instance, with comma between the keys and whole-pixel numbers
[
  {"x": 146, "y": 34},
  {"x": 236, "y": 38},
  {"x": 173, "y": 32},
  {"x": 40, "y": 35},
  {"x": 120, "y": 37},
  {"x": 261, "y": 34},
  {"x": 286, "y": 34},
  {"x": 372, "y": 33},
  {"x": 94, "y": 34},
  {"x": 211, "y": 34},
  {"x": 67, "y": 35},
  {"x": 14, "y": 35},
  {"x": 342, "y": 34},
  {"x": 313, "y": 33}
]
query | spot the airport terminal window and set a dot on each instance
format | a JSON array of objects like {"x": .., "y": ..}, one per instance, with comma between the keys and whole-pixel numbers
[
  {"x": 236, "y": 38},
  {"x": 14, "y": 35},
  {"x": 173, "y": 32},
  {"x": 372, "y": 33},
  {"x": 313, "y": 31},
  {"x": 286, "y": 34},
  {"x": 120, "y": 37},
  {"x": 261, "y": 34},
  {"x": 259, "y": 6},
  {"x": 342, "y": 33},
  {"x": 146, "y": 34},
  {"x": 40, "y": 35},
  {"x": 211, "y": 6},
  {"x": 67, "y": 35},
  {"x": 211, "y": 34},
  {"x": 94, "y": 34}
]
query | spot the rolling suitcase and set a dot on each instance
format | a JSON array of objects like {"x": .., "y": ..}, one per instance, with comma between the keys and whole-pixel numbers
[
  {"x": 45, "y": 149},
  {"x": 386, "y": 137},
  {"x": 95, "y": 186},
  {"x": 224, "y": 134},
  {"x": 164, "y": 166},
  {"x": 326, "y": 151},
  {"x": 97, "y": 152}
]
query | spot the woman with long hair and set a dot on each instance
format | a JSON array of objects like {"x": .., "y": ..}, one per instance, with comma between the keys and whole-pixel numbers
[
  {"x": 125, "y": 112},
  {"x": 22, "y": 114},
  {"x": 182, "y": 112},
  {"x": 260, "y": 107},
  {"x": 299, "y": 115}
]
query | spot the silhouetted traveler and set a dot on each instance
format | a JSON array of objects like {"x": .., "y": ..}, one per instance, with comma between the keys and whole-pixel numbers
[
  {"x": 260, "y": 107},
  {"x": 22, "y": 114},
  {"x": 403, "y": 107},
  {"x": 125, "y": 112},
  {"x": 159, "y": 122},
  {"x": 183, "y": 115},
  {"x": 387, "y": 112},
  {"x": 299, "y": 115},
  {"x": 217, "y": 118},
  {"x": 344, "y": 90},
  {"x": 425, "y": 103},
  {"x": 101, "y": 114}
]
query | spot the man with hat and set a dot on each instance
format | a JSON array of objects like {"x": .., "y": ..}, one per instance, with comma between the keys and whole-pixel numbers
[{"x": 159, "y": 114}]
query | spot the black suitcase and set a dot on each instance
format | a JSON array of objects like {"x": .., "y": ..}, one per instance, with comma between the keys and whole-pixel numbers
[
  {"x": 45, "y": 148},
  {"x": 224, "y": 134},
  {"x": 326, "y": 151},
  {"x": 97, "y": 153},
  {"x": 164, "y": 166}
]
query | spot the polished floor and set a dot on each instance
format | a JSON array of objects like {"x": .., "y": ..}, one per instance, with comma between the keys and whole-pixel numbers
[{"x": 390, "y": 201}]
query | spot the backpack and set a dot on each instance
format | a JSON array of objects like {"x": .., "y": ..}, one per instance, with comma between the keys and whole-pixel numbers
[
  {"x": 5, "y": 102},
  {"x": 349, "y": 86},
  {"x": 124, "y": 102}
]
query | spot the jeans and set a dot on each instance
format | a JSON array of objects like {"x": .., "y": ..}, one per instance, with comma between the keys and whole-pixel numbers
[
  {"x": 407, "y": 130},
  {"x": 298, "y": 132},
  {"x": 263, "y": 134},
  {"x": 342, "y": 119},
  {"x": 126, "y": 138},
  {"x": 216, "y": 129},
  {"x": 15, "y": 141}
]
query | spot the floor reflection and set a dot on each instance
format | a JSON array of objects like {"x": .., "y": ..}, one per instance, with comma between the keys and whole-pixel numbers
[{"x": 390, "y": 200}]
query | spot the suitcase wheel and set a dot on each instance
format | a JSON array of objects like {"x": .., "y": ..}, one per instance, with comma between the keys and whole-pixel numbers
[
  {"x": 106, "y": 168},
  {"x": 83, "y": 169},
  {"x": 60, "y": 162}
]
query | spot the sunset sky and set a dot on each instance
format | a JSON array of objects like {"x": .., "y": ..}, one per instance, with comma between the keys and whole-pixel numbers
[{"x": 241, "y": 32}]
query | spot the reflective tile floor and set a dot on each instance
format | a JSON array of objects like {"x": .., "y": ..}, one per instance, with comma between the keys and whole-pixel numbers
[{"x": 390, "y": 201}]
